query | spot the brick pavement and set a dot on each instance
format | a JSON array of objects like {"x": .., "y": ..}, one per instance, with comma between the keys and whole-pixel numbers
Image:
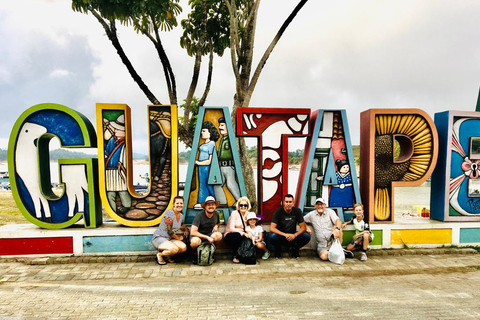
[{"x": 431, "y": 286}]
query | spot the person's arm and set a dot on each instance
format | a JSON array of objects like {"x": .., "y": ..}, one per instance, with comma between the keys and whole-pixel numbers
[
  {"x": 204, "y": 162},
  {"x": 260, "y": 237},
  {"x": 194, "y": 233},
  {"x": 308, "y": 221},
  {"x": 346, "y": 223},
  {"x": 232, "y": 223},
  {"x": 302, "y": 229},
  {"x": 273, "y": 229},
  {"x": 337, "y": 228}
]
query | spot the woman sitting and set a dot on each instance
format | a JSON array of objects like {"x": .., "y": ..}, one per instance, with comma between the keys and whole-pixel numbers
[
  {"x": 235, "y": 229},
  {"x": 167, "y": 239}
]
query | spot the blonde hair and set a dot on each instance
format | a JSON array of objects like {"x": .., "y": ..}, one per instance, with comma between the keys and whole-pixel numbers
[
  {"x": 243, "y": 199},
  {"x": 357, "y": 205}
]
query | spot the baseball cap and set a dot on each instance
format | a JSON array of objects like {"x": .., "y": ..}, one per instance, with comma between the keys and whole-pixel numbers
[{"x": 320, "y": 200}]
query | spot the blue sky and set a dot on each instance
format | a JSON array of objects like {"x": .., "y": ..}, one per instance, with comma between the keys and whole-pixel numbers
[{"x": 351, "y": 55}]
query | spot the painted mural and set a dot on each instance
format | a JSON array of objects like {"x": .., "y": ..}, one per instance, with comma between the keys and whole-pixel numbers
[
  {"x": 29, "y": 168},
  {"x": 399, "y": 148},
  {"x": 214, "y": 166},
  {"x": 328, "y": 169},
  {"x": 137, "y": 205},
  {"x": 272, "y": 127},
  {"x": 459, "y": 182}
]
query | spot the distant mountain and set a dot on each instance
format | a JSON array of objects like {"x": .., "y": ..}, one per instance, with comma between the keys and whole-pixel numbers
[{"x": 66, "y": 154}]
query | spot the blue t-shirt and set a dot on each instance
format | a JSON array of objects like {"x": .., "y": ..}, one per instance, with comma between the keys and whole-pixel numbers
[{"x": 205, "y": 150}]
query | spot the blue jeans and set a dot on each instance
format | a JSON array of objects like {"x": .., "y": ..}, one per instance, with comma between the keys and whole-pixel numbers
[{"x": 278, "y": 241}]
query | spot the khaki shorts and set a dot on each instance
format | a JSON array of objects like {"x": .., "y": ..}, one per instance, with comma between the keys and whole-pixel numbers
[{"x": 321, "y": 247}]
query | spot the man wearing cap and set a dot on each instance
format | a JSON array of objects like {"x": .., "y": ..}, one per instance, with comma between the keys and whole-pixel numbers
[
  {"x": 327, "y": 226},
  {"x": 227, "y": 166},
  {"x": 205, "y": 224},
  {"x": 283, "y": 228}
]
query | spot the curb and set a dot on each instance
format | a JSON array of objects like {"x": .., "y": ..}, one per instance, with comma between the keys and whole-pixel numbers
[{"x": 220, "y": 256}]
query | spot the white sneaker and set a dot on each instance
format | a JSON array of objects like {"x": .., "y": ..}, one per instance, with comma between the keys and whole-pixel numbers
[{"x": 363, "y": 256}]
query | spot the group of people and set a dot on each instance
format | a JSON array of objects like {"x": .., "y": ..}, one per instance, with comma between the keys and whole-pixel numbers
[{"x": 171, "y": 236}]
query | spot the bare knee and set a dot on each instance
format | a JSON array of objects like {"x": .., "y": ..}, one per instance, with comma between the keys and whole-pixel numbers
[
  {"x": 195, "y": 242},
  {"x": 181, "y": 247},
  {"x": 324, "y": 255},
  {"x": 217, "y": 236}
]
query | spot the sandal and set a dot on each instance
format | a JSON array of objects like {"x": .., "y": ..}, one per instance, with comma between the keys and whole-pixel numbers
[
  {"x": 235, "y": 260},
  {"x": 160, "y": 260}
]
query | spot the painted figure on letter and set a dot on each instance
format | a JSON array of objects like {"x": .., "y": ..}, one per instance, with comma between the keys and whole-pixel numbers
[
  {"x": 341, "y": 194},
  {"x": 205, "y": 154},
  {"x": 116, "y": 173},
  {"x": 227, "y": 167}
]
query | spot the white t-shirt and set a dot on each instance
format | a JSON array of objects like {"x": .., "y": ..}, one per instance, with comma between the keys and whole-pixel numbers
[{"x": 255, "y": 232}]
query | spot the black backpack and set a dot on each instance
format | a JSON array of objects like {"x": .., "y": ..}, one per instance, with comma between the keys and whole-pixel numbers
[{"x": 247, "y": 252}]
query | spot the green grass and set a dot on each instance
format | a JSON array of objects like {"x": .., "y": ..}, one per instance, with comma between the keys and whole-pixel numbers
[{"x": 9, "y": 213}]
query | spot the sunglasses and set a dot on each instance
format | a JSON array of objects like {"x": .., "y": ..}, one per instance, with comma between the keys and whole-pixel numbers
[{"x": 243, "y": 205}]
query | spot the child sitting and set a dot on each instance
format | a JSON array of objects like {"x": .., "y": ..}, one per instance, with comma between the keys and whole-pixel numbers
[
  {"x": 256, "y": 232},
  {"x": 362, "y": 236}
]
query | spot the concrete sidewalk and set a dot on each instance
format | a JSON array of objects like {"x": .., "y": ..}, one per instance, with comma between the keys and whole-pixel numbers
[{"x": 395, "y": 285}]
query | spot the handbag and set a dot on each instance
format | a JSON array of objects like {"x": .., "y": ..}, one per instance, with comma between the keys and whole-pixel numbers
[
  {"x": 336, "y": 254},
  {"x": 246, "y": 252}
]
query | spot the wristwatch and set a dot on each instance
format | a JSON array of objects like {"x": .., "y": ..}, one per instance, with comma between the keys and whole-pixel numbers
[{"x": 337, "y": 228}]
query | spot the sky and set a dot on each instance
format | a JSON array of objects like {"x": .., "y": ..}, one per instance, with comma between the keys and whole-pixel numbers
[{"x": 345, "y": 54}]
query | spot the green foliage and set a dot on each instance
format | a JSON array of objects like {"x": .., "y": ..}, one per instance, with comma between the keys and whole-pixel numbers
[
  {"x": 143, "y": 15},
  {"x": 195, "y": 104},
  {"x": 217, "y": 27}
]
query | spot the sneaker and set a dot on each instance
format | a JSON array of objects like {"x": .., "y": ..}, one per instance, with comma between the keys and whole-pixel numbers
[
  {"x": 266, "y": 255},
  {"x": 363, "y": 256},
  {"x": 278, "y": 255},
  {"x": 348, "y": 254}
]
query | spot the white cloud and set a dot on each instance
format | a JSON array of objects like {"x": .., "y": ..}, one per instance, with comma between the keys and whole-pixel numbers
[{"x": 60, "y": 73}]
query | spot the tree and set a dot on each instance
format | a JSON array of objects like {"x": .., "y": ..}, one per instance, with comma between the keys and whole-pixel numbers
[
  {"x": 243, "y": 22},
  {"x": 211, "y": 26},
  {"x": 206, "y": 32}
]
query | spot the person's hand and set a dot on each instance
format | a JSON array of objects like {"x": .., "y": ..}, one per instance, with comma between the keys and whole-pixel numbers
[
  {"x": 344, "y": 225},
  {"x": 290, "y": 237},
  {"x": 309, "y": 230},
  {"x": 215, "y": 229},
  {"x": 210, "y": 239},
  {"x": 336, "y": 233}
]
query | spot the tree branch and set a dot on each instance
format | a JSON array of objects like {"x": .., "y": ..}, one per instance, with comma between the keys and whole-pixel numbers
[
  {"x": 112, "y": 35},
  {"x": 272, "y": 45}
]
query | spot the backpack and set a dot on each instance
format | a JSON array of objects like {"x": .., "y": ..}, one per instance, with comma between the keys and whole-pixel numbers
[
  {"x": 205, "y": 253},
  {"x": 247, "y": 252}
]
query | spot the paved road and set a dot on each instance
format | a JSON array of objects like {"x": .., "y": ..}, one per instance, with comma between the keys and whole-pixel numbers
[{"x": 390, "y": 287}]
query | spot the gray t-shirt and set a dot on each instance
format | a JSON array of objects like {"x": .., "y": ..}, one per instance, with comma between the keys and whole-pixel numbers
[
  {"x": 205, "y": 224},
  {"x": 169, "y": 225}
]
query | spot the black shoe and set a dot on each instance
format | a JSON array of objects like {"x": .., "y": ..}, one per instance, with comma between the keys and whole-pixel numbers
[
  {"x": 295, "y": 253},
  {"x": 348, "y": 254},
  {"x": 278, "y": 255}
]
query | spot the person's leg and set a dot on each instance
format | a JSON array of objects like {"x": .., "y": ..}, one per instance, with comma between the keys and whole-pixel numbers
[
  {"x": 299, "y": 242},
  {"x": 182, "y": 247},
  {"x": 366, "y": 241},
  {"x": 217, "y": 236},
  {"x": 277, "y": 241},
  {"x": 233, "y": 240},
  {"x": 195, "y": 242},
  {"x": 261, "y": 246},
  {"x": 167, "y": 250},
  {"x": 323, "y": 255}
]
